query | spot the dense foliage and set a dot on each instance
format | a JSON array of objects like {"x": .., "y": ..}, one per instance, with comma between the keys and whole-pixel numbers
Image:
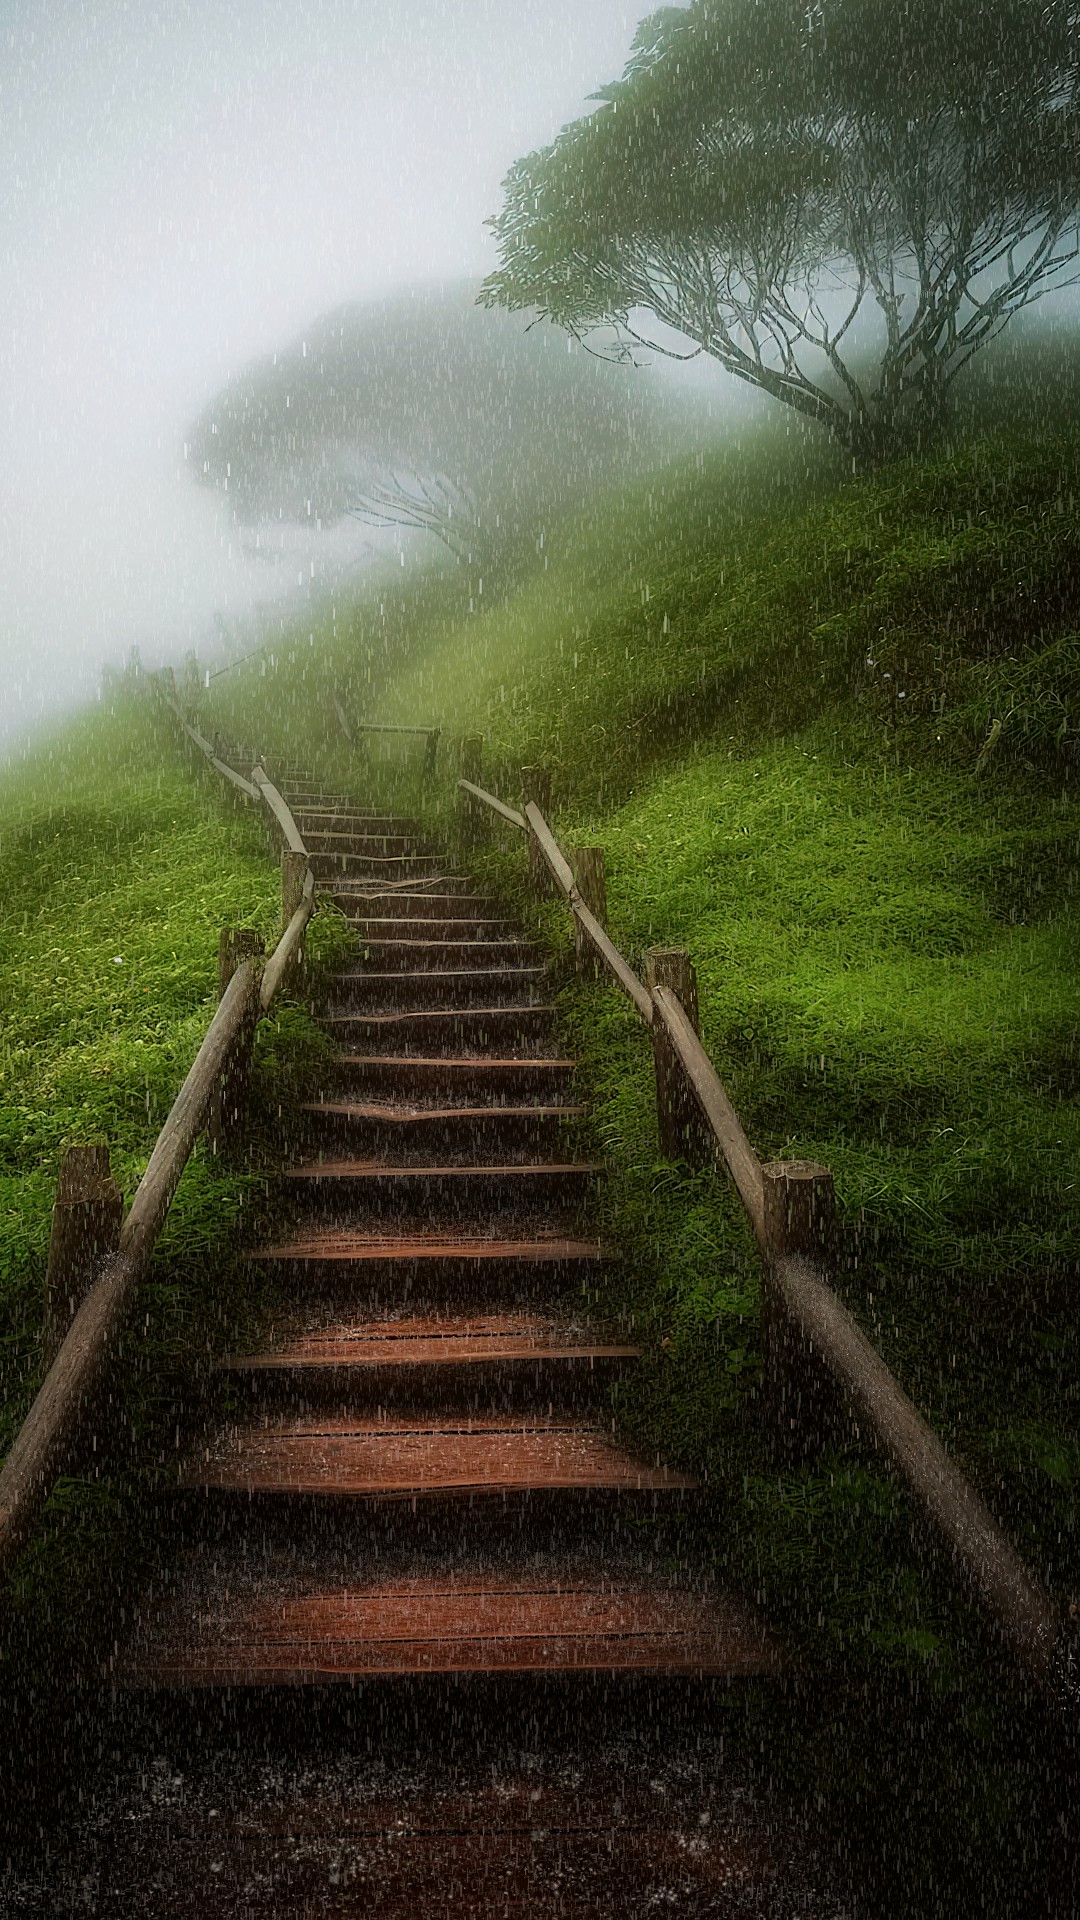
[{"x": 841, "y": 203}]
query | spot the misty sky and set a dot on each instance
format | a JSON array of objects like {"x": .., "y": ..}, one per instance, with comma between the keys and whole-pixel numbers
[{"x": 182, "y": 186}]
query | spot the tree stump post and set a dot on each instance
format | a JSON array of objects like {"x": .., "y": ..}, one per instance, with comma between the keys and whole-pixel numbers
[
  {"x": 87, "y": 1216},
  {"x": 590, "y": 877},
  {"x": 473, "y": 823},
  {"x": 536, "y": 788},
  {"x": 236, "y": 945},
  {"x": 682, "y": 1132},
  {"x": 800, "y": 1222}
]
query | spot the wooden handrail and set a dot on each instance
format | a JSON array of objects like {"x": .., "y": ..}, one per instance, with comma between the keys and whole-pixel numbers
[
  {"x": 280, "y": 810},
  {"x": 205, "y": 747},
  {"x": 288, "y": 947},
  {"x": 500, "y": 807},
  {"x": 41, "y": 1446},
  {"x": 1022, "y": 1611},
  {"x": 556, "y": 860},
  {"x": 721, "y": 1118},
  {"x": 623, "y": 975}
]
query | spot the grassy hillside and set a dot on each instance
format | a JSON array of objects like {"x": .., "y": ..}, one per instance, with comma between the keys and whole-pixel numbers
[
  {"x": 119, "y": 865},
  {"x": 824, "y": 729}
]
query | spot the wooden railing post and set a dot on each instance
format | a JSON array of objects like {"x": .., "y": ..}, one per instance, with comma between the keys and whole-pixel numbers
[
  {"x": 473, "y": 823},
  {"x": 799, "y": 1219},
  {"x": 431, "y": 754},
  {"x": 590, "y": 878},
  {"x": 679, "y": 1124},
  {"x": 293, "y": 873},
  {"x": 227, "y": 1104},
  {"x": 536, "y": 788},
  {"x": 87, "y": 1216}
]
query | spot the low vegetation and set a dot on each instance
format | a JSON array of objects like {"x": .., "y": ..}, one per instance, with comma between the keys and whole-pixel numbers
[{"x": 119, "y": 865}]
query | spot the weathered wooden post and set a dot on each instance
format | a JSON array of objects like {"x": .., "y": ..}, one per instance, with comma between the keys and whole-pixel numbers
[
  {"x": 799, "y": 1221},
  {"x": 431, "y": 754},
  {"x": 87, "y": 1215},
  {"x": 472, "y": 817},
  {"x": 293, "y": 874},
  {"x": 679, "y": 1123},
  {"x": 536, "y": 788},
  {"x": 590, "y": 877},
  {"x": 236, "y": 945}
]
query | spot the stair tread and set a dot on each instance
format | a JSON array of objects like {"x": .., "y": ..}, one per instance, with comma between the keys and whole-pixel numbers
[
  {"x": 404, "y": 974},
  {"x": 438, "y": 1013},
  {"x": 431, "y": 1340},
  {"x": 398, "y": 1113},
  {"x": 390, "y": 1170},
  {"x": 462, "y": 1062},
  {"x": 227, "y": 1628},
  {"x": 349, "y": 1244},
  {"x": 401, "y": 1455}
]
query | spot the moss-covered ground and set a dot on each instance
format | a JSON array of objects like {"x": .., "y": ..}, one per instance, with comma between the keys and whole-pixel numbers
[{"x": 120, "y": 861}]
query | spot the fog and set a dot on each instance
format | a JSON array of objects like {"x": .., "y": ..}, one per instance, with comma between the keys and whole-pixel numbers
[{"x": 182, "y": 189}]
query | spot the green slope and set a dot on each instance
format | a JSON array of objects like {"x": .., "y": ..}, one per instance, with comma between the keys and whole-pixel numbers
[
  {"x": 119, "y": 865},
  {"x": 823, "y": 729}
]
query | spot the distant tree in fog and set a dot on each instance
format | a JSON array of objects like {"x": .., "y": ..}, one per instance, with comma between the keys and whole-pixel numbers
[
  {"x": 422, "y": 411},
  {"x": 431, "y": 503},
  {"x": 841, "y": 201}
]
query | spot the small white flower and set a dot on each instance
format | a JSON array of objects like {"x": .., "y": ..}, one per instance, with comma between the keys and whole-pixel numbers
[{"x": 118, "y": 959}]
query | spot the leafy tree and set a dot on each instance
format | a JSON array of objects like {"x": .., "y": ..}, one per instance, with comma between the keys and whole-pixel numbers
[{"x": 839, "y": 200}]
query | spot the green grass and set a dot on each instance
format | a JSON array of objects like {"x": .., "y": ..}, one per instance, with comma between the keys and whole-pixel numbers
[
  {"x": 771, "y": 693},
  {"x": 120, "y": 861}
]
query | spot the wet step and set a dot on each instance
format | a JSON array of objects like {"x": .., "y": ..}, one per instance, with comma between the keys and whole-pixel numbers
[
  {"x": 539, "y": 1620},
  {"x": 396, "y": 1265},
  {"x": 385, "y": 1127},
  {"x": 399, "y": 866},
  {"x": 463, "y": 1030},
  {"x": 337, "y": 820},
  {"x": 403, "y": 953},
  {"x": 412, "y": 1457},
  {"x": 405, "y": 991},
  {"x": 353, "y": 896},
  {"x": 422, "y": 1343},
  {"x": 355, "y": 840},
  {"x": 407, "y": 903},
  {"x": 408, "y": 922},
  {"x": 412, "y": 1190},
  {"x": 462, "y": 1077}
]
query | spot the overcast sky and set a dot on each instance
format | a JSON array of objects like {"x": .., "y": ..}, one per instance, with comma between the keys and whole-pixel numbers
[{"x": 183, "y": 186}]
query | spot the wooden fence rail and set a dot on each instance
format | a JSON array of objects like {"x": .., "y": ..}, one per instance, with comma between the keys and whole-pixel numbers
[
  {"x": 99, "y": 1282},
  {"x": 811, "y": 1342}
]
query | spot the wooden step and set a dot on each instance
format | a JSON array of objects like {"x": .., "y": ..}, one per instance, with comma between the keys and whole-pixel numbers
[
  {"x": 411, "y": 1190},
  {"x": 408, "y": 924},
  {"x": 352, "y": 895},
  {"x": 461, "y": 1076},
  {"x": 400, "y": 1261},
  {"x": 227, "y": 1631},
  {"x": 350, "y": 820},
  {"x": 404, "y": 903},
  {"x": 413, "y": 956},
  {"x": 356, "y": 841},
  {"x": 423, "y": 1342},
  {"x": 456, "y": 1030},
  {"x": 400, "y": 1456},
  {"x": 432, "y": 988},
  {"x": 397, "y": 866},
  {"x": 397, "y": 1126}
]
